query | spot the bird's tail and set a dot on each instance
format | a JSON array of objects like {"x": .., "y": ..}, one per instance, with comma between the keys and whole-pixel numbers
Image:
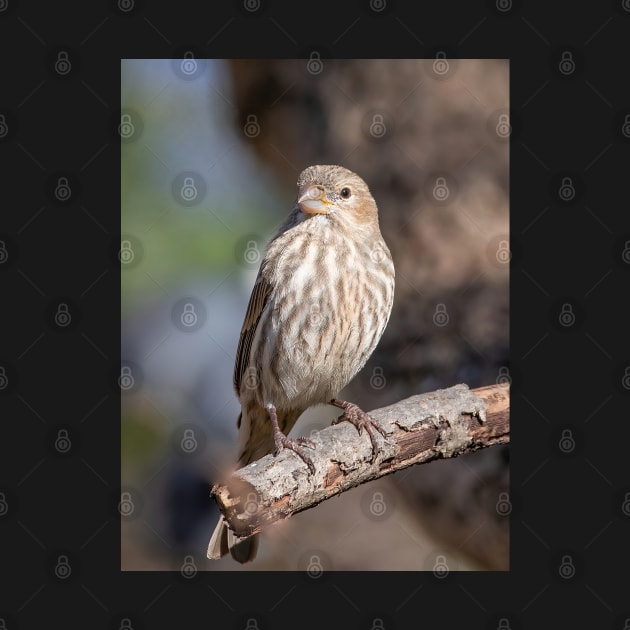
[
  {"x": 224, "y": 540},
  {"x": 255, "y": 441}
]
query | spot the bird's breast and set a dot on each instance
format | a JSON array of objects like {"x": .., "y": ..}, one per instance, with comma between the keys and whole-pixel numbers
[{"x": 324, "y": 316}]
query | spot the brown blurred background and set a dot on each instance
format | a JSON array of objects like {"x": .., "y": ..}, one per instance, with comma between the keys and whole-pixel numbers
[{"x": 431, "y": 139}]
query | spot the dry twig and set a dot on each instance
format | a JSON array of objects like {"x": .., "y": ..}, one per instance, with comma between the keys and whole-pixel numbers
[{"x": 440, "y": 424}]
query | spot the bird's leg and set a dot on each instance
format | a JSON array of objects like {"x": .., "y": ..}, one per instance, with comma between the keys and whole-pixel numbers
[
  {"x": 361, "y": 420},
  {"x": 282, "y": 441}
]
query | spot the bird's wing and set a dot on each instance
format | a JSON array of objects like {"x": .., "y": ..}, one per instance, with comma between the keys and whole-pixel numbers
[{"x": 257, "y": 302}]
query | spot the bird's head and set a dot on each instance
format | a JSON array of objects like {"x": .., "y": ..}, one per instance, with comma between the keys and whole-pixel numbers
[{"x": 336, "y": 192}]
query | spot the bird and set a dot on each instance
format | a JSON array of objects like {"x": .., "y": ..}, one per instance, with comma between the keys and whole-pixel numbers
[{"x": 320, "y": 304}]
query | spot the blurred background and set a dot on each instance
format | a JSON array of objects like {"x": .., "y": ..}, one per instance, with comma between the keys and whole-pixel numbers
[{"x": 211, "y": 151}]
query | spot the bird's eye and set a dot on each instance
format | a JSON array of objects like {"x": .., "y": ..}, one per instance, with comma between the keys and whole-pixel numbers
[{"x": 345, "y": 193}]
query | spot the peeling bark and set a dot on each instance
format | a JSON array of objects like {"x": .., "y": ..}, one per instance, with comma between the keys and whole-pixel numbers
[{"x": 420, "y": 429}]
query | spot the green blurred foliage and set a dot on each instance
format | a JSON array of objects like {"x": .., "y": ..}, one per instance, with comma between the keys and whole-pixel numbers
[{"x": 184, "y": 127}]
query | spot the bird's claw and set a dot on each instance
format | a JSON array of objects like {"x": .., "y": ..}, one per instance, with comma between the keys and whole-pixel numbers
[
  {"x": 283, "y": 442},
  {"x": 361, "y": 420}
]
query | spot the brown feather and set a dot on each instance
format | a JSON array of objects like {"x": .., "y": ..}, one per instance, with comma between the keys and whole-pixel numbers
[
  {"x": 319, "y": 306},
  {"x": 257, "y": 303}
]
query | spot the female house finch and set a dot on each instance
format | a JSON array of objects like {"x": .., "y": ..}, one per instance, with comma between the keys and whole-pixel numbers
[{"x": 319, "y": 306}]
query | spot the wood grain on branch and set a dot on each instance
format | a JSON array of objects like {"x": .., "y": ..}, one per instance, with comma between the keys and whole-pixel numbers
[{"x": 420, "y": 429}]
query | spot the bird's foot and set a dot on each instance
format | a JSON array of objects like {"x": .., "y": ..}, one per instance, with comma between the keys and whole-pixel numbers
[
  {"x": 282, "y": 441},
  {"x": 361, "y": 420}
]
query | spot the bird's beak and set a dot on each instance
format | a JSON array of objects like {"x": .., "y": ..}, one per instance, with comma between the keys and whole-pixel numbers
[{"x": 313, "y": 200}]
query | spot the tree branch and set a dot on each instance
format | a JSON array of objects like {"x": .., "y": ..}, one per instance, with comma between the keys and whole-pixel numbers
[{"x": 420, "y": 429}]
